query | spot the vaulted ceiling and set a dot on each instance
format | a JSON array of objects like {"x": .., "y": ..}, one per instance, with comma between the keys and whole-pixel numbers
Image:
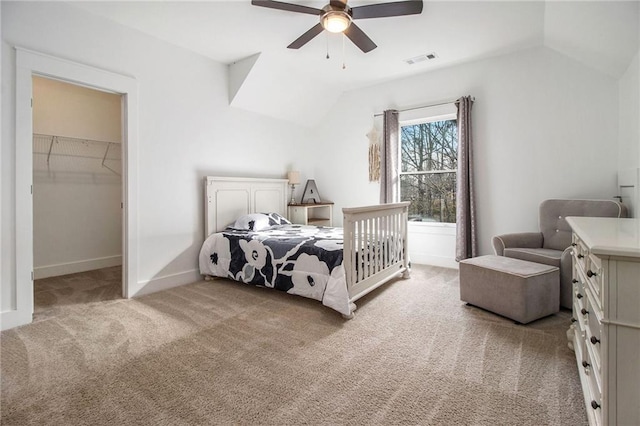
[{"x": 301, "y": 85}]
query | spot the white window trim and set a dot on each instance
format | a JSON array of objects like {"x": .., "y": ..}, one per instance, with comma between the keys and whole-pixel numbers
[
  {"x": 432, "y": 224},
  {"x": 429, "y": 119}
]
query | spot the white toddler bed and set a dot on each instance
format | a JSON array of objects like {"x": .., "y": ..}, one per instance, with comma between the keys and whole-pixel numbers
[{"x": 335, "y": 265}]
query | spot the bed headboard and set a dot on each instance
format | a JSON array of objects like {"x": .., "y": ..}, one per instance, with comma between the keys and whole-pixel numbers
[{"x": 228, "y": 198}]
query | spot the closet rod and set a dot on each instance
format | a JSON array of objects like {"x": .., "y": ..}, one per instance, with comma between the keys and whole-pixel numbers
[
  {"x": 91, "y": 157},
  {"x": 452, "y": 101},
  {"x": 70, "y": 138}
]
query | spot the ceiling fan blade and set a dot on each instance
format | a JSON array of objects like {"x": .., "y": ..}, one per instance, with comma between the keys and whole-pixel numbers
[
  {"x": 290, "y": 7},
  {"x": 359, "y": 38},
  {"x": 383, "y": 10},
  {"x": 306, "y": 37}
]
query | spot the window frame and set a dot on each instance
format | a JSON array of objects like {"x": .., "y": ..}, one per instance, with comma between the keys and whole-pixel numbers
[{"x": 423, "y": 118}]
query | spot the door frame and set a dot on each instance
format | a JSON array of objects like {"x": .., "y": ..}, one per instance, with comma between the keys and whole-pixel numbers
[{"x": 28, "y": 64}]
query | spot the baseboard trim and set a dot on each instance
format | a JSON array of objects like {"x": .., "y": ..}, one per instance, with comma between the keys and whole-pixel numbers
[
  {"x": 165, "y": 282},
  {"x": 75, "y": 267},
  {"x": 11, "y": 319},
  {"x": 425, "y": 259}
]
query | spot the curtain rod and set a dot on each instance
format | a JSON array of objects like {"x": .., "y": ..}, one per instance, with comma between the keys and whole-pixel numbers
[{"x": 453, "y": 101}]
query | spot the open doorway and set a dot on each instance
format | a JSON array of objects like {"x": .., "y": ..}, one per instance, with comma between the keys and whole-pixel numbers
[
  {"x": 77, "y": 196},
  {"x": 19, "y": 297}
]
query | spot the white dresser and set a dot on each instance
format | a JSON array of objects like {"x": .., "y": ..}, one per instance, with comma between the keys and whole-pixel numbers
[{"x": 605, "y": 333}]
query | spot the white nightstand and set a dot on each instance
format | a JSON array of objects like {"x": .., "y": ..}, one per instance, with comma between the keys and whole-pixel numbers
[{"x": 319, "y": 214}]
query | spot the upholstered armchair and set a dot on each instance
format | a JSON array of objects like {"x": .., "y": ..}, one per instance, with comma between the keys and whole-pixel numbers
[{"x": 552, "y": 244}]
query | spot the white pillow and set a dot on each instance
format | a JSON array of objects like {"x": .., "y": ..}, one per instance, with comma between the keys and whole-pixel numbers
[
  {"x": 276, "y": 219},
  {"x": 252, "y": 222}
]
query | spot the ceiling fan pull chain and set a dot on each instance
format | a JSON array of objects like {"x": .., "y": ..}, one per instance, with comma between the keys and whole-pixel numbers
[
  {"x": 327, "y": 44},
  {"x": 344, "y": 62}
]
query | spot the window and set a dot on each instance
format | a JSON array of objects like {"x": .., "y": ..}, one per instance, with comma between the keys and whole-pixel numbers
[{"x": 428, "y": 164}]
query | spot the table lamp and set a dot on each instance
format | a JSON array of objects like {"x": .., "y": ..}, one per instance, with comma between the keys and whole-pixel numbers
[{"x": 294, "y": 179}]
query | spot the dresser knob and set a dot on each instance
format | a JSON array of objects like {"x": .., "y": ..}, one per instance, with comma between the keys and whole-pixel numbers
[
  {"x": 573, "y": 320},
  {"x": 580, "y": 256},
  {"x": 584, "y": 311},
  {"x": 595, "y": 405},
  {"x": 585, "y": 364},
  {"x": 579, "y": 296},
  {"x": 594, "y": 340},
  {"x": 573, "y": 244},
  {"x": 574, "y": 281},
  {"x": 590, "y": 273}
]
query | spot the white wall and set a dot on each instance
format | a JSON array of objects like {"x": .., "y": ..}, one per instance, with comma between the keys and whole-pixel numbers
[
  {"x": 629, "y": 92},
  {"x": 186, "y": 131},
  {"x": 65, "y": 109},
  {"x": 77, "y": 219},
  {"x": 545, "y": 126}
]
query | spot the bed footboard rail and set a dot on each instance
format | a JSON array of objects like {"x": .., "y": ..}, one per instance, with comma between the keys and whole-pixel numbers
[{"x": 375, "y": 246}]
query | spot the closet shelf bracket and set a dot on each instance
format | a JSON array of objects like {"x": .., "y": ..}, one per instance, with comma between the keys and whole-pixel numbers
[
  {"x": 53, "y": 139},
  {"x": 104, "y": 158}
]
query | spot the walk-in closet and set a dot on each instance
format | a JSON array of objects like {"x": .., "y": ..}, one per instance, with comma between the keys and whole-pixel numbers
[{"x": 77, "y": 196}]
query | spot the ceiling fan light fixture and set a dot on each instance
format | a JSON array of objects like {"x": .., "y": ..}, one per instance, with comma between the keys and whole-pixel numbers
[{"x": 335, "y": 21}]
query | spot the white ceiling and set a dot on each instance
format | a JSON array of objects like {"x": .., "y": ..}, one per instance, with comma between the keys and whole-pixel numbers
[{"x": 301, "y": 85}]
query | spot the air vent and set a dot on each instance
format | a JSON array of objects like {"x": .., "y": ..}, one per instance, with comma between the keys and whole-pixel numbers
[{"x": 421, "y": 58}]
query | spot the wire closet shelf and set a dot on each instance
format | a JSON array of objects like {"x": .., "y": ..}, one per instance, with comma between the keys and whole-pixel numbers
[{"x": 109, "y": 153}]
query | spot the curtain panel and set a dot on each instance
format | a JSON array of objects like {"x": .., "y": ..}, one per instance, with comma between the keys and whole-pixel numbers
[
  {"x": 389, "y": 158},
  {"x": 466, "y": 232}
]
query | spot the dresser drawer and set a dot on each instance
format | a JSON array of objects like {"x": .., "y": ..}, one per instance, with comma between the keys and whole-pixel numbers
[
  {"x": 592, "y": 390},
  {"x": 590, "y": 320},
  {"x": 595, "y": 278},
  {"x": 594, "y": 401},
  {"x": 593, "y": 337},
  {"x": 593, "y": 350},
  {"x": 579, "y": 304},
  {"x": 580, "y": 252},
  {"x": 578, "y": 282}
]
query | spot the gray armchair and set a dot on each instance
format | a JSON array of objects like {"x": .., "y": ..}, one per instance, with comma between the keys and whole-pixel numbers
[{"x": 551, "y": 246}]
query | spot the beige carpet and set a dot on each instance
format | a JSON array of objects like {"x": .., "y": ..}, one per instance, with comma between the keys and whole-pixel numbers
[
  {"x": 63, "y": 295},
  {"x": 225, "y": 353}
]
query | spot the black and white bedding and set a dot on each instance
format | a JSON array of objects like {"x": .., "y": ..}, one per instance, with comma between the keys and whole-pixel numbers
[{"x": 267, "y": 250}]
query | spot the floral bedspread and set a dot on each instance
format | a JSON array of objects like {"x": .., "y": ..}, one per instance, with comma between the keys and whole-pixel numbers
[{"x": 298, "y": 259}]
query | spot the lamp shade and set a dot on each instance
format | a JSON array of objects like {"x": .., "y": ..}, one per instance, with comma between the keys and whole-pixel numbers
[{"x": 294, "y": 177}]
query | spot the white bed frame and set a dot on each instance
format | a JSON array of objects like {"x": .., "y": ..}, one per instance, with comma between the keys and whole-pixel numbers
[{"x": 228, "y": 198}]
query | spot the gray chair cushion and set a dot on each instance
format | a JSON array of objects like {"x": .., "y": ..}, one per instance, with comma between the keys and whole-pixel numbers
[
  {"x": 539, "y": 255},
  {"x": 554, "y": 227}
]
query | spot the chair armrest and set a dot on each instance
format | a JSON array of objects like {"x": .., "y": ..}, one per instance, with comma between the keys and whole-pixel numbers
[
  {"x": 567, "y": 254},
  {"x": 519, "y": 240}
]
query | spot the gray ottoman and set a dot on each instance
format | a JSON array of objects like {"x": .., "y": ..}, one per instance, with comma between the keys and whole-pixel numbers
[{"x": 517, "y": 289}]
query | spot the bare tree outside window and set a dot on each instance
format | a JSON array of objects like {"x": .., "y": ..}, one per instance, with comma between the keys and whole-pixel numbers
[{"x": 429, "y": 159}]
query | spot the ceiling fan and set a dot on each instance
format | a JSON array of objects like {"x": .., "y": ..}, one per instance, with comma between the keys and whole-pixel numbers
[{"x": 337, "y": 17}]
